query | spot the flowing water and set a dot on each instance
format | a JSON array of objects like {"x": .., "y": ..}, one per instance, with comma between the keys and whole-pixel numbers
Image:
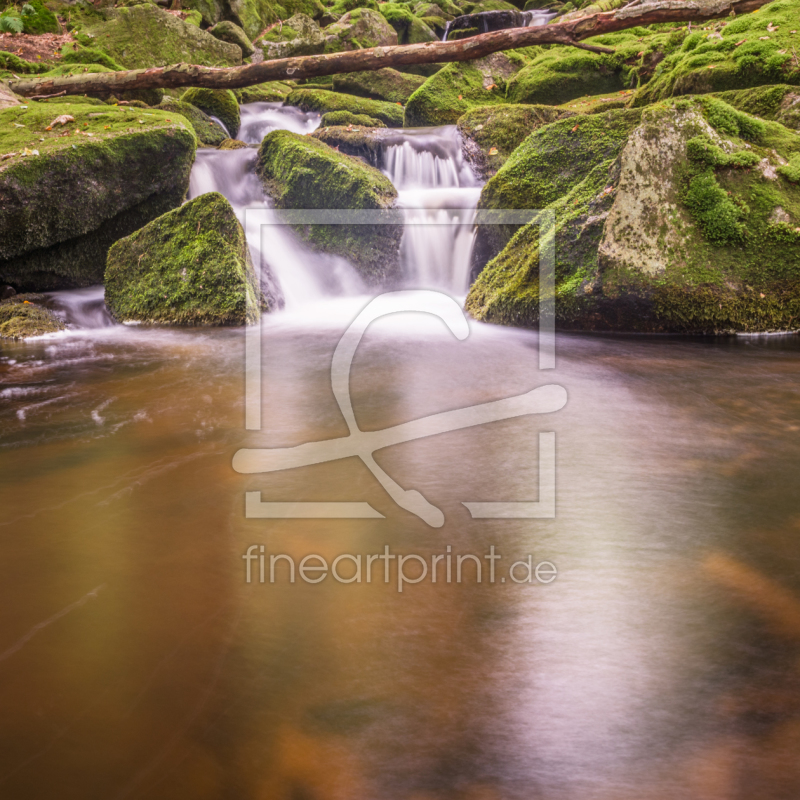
[{"x": 137, "y": 662}]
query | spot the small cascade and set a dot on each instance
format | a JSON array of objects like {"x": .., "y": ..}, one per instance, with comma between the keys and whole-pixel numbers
[
  {"x": 221, "y": 124},
  {"x": 486, "y": 21},
  {"x": 258, "y": 119},
  {"x": 82, "y": 308},
  {"x": 439, "y": 194}
]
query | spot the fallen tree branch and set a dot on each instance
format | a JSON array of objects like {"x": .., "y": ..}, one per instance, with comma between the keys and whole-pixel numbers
[
  {"x": 47, "y": 96},
  {"x": 565, "y": 33}
]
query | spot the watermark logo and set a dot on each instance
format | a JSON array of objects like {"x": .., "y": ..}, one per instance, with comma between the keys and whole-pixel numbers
[{"x": 543, "y": 399}]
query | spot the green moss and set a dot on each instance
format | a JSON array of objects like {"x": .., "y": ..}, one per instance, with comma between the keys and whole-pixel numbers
[
  {"x": 718, "y": 217},
  {"x": 88, "y": 55},
  {"x": 125, "y": 164},
  {"x": 410, "y": 29},
  {"x": 219, "y": 103},
  {"x": 12, "y": 63},
  {"x": 21, "y": 318},
  {"x": 779, "y": 102},
  {"x": 357, "y": 29},
  {"x": 492, "y": 133},
  {"x": 275, "y": 91},
  {"x": 346, "y": 118},
  {"x": 727, "y": 119},
  {"x": 702, "y": 150},
  {"x": 302, "y": 172},
  {"x": 321, "y": 100},
  {"x": 37, "y": 18},
  {"x": 230, "y": 32},
  {"x": 384, "y": 84},
  {"x": 190, "y": 266},
  {"x": 791, "y": 171},
  {"x": 206, "y": 130}
]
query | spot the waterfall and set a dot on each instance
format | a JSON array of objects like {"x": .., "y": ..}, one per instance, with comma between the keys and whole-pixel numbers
[{"x": 439, "y": 194}]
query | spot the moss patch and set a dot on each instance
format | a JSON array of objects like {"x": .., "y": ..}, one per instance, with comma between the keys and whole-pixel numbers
[
  {"x": 21, "y": 318},
  {"x": 273, "y": 92},
  {"x": 190, "y": 266},
  {"x": 383, "y": 84},
  {"x": 206, "y": 130},
  {"x": 346, "y": 118},
  {"x": 322, "y": 100},
  {"x": 219, "y": 103}
]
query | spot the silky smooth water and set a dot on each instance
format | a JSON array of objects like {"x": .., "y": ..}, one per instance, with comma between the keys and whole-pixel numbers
[{"x": 136, "y": 661}]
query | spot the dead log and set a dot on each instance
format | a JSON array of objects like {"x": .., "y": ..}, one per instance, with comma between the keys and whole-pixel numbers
[{"x": 570, "y": 32}]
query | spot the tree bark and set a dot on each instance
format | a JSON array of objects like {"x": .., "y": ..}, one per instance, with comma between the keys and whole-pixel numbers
[{"x": 570, "y": 32}]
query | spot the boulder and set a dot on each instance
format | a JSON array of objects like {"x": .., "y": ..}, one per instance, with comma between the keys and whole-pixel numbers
[
  {"x": 143, "y": 36},
  {"x": 232, "y": 144},
  {"x": 366, "y": 143},
  {"x": 230, "y": 32},
  {"x": 300, "y": 172},
  {"x": 459, "y": 87},
  {"x": 37, "y": 18},
  {"x": 206, "y": 129},
  {"x": 346, "y": 118},
  {"x": 681, "y": 217},
  {"x": 322, "y": 100},
  {"x": 780, "y": 103},
  {"x": 443, "y": 9},
  {"x": 190, "y": 266},
  {"x": 298, "y": 36},
  {"x": 219, "y": 103},
  {"x": 23, "y": 316},
  {"x": 65, "y": 200},
  {"x": 410, "y": 29},
  {"x": 359, "y": 29},
  {"x": 7, "y": 97},
  {"x": 382, "y": 84},
  {"x": 276, "y": 91},
  {"x": 490, "y": 134}
]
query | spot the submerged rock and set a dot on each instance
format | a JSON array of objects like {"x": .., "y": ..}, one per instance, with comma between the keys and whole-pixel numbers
[
  {"x": 219, "y": 103},
  {"x": 322, "y": 100},
  {"x": 300, "y": 172},
  {"x": 22, "y": 316},
  {"x": 190, "y": 266},
  {"x": 491, "y": 133},
  {"x": 101, "y": 175},
  {"x": 382, "y": 84},
  {"x": 680, "y": 217}
]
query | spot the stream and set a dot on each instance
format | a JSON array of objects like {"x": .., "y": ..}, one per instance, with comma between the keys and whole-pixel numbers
[{"x": 136, "y": 661}]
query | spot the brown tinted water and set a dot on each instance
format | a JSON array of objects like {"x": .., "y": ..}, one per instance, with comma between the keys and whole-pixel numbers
[{"x": 136, "y": 662}]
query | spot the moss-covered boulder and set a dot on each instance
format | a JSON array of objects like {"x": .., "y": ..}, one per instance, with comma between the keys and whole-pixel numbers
[
  {"x": 358, "y": 29},
  {"x": 443, "y": 9},
  {"x": 23, "y": 316},
  {"x": 38, "y": 18},
  {"x": 143, "y": 36},
  {"x": 780, "y": 103},
  {"x": 322, "y": 100},
  {"x": 750, "y": 50},
  {"x": 190, "y": 266},
  {"x": 410, "y": 29},
  {"x": 65, "y": 200},
  {"x": 298, "y": 36},
  {"x": 206, "y": 129},
  {"x": 345, "y": 118},
  {"x": 273, "y": 92},
  {"x": 230, "y": 32},
  {"x": 232, "y": 144},
  {"x": 491, "y": 133},
  {"x": 300, "y": 172},
  {"x": 686, "y": 220},
  {"x": 219, "y": 103},
  {"x": 459, "y": 87},
  {"x": 382, "y": 84},
  {"x": 366, "y": 143}
]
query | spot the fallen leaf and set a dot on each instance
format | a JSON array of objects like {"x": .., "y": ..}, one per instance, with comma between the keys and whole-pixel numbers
[
  {"x": 62, "y": 120},
  {"x": 492, "y": 151},
  {"x": 459, "y": 97},
  {"x": 574, "y": 129},
  {"x": 27, "y": 152},
  {"x": 741, "y": 43}
]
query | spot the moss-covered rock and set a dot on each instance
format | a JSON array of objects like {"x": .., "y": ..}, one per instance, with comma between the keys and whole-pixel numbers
[
  {"x": 780, "y": 103},
  {"x": 65, "y": 200},
  {"x": 684, "y": 221},
  {"x": 410, "y": 29},
  {"x": 322, "y": 100},
  {"x": 491, "y": 133},
  {"x": 38, "y": 18},
  {"x": 459, "y": 87},
  {"x": 206, "y": 129},
  {"x": 14, "y": 64},
  {"x": 232, "y": 144},
  {"x": 443, "y": 9},
  {"x": 276, "y": 91},
  {"x": 75, "y": 53},
  {"x": 366, "y": 143},
  {"x": 298, "y": 36},
  {"x": 190, "y": 266},
  {"x": 219, "y": 103},
  {"x": 357, "y": 29},
  {"x": 143, "y": 36},
  {"x": 23, "y": 316},
  {"x": 230, "y": 32},
  {"x": 346, "y": 118},
  {"x": 300, "y": 172},
  {"x": 382, "y": 84}
]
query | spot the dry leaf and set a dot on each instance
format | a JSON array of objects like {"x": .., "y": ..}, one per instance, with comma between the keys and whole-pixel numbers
[
  {"x": 492, "y": 151},
  {"x": 62, "y": 120},
  {"x": 574, "y": 129},
  {"x": 459, "y": 97}
]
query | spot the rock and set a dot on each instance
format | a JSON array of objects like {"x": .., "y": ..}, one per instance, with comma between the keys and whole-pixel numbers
[
  {"x": 61, "y": 209},
  {"x": 275, "y": 91},
  {"x": 205, "y": 128},
  {"x": 410, "y": 29},
  {"x": 662, "y": 224},
  {"x": 491, "y": 133},
  {"x": 232, "y": 144},
  {"x": 147, "y": 97},
  {"x": 365, "y": 143},
  {"x": 143, "y": 36},
  {"x": 301, "y": 172},
  {"x": 219, "y": 103},
  {"x": 21, "y": 317},
  {"x": 443, "y": 9},
  {"x": 6, "y": 292},
  {"x": 322, "y": 100},
  {"x": 382, "y": 84},
  {"x": 459, "y": 87},
  {"x": 487, "y": 21},
  {"x": 346, "y": 118},
  {"x": 780, "y": 103},
  {"x": 7, "y": 97},
  {"x": 359, "y": 29},
  {"x": 190, "y": 266},
  {"x": 298, "y": 36},
  {"x": 230, "y": 32}
]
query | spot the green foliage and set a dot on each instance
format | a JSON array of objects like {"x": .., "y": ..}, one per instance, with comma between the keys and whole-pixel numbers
[
  {"x": 727, "y": 119},
  {"x": 11, "y": 24},
  {"x": 791, "y": 171},
  {"x": 716, "y": 214}
]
